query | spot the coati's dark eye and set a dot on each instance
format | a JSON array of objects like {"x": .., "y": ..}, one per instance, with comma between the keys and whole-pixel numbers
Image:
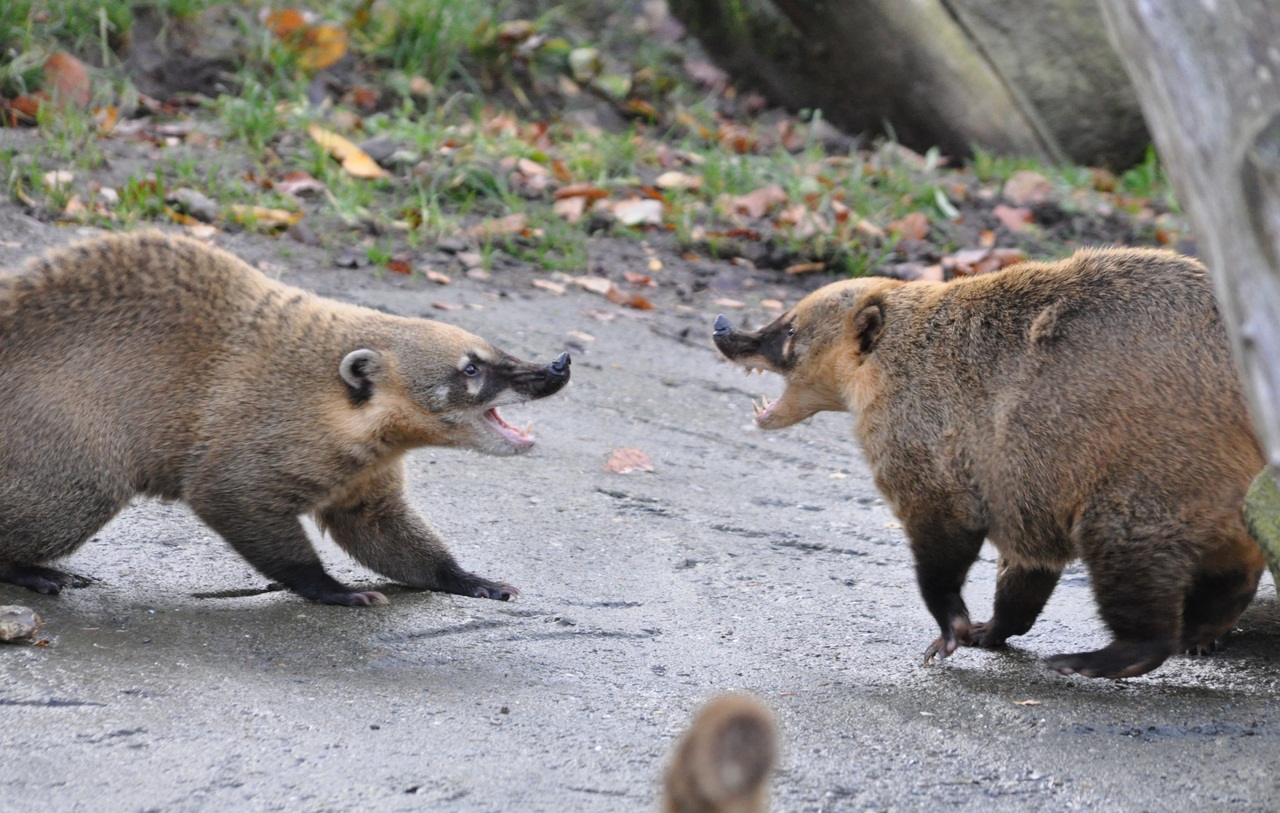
[
  {"x": 471, "y": 370},
  {"x": 791, "y": 331}
]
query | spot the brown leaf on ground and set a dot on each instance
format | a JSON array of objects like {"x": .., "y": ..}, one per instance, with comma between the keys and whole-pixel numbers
[
  {"x": 1103, "y": 179},
  {"x": 1026, "y": 188},
  {"x": 914, "y": 226},
  {"x": 868, "y": 229},
  {"x": 284, "y": 22},
  {"x": 299, "y": 183},
  {"x": 263, "y": 217},
  {"x": 758, "y": 203},
  {"x": 500, "y": 227},
  {"x": 627, "y": 460},
  {"x": 66, "y": 80},
  {"x": 805, "y": 268},
  {"x": 636, "y": 278},
  {"x": 986, "y": 238},
  {"x": 571, "y": 209},
  {"x": 629, "y": 300},
  {"x": 678, "y": 180},
  {"x": 320, "y": 46},
  {"x": 638, "y": 212},
  {"x": 581, "y": 190},
  {"x": 1013, "y": 218},
  {"x": 355, "y": 161},
  {"x": 399, "y": 266}
]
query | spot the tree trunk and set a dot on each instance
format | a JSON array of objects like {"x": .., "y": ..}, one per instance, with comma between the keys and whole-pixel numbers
[{"x": 1206, "y": 74}]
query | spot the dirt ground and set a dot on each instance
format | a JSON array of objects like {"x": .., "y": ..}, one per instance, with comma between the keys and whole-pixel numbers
[{"x": 745, "y": 561}]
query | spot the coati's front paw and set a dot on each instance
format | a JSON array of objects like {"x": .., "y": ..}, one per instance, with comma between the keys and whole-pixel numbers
[
  {"x": 1116, "y": 660},
  {"x": 957, "y": 635},
  {"x": 354, "y": 598},
  {"x": 462, "y": 583}
]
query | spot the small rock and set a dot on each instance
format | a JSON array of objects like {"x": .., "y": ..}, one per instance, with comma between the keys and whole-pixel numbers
[
  {"x": 18, "y": 623},
  {"x": 379, "y": 148},
  {"x": 194, "y": 203}
]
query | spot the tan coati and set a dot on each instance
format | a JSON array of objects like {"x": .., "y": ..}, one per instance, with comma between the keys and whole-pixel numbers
[
  {"x": 1086, "y": 408},
  {"x": 723, "y": 763},
  {"x": 150, "y": 364}
]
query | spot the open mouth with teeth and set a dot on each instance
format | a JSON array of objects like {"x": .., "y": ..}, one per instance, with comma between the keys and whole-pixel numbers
[
  {"x": 518, "y": 438},
  {"x": 764, "y": 408}
]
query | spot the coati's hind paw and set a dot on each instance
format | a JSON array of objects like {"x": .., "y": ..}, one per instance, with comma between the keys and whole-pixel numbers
[
  {"x": 40, "y": 579},
  {"x": 1117, "y": 660}
]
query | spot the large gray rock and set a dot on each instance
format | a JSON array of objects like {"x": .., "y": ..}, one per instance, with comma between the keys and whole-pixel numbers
[{"x": 1016, "y": 78}]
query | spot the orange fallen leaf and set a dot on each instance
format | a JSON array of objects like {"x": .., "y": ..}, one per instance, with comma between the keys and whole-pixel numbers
[
  {"x": 320, "y": 46},
  {"x": 66, "y": 79},
  {"x": 399, "y": 266},
  {"x": 626, "y": 460},
  {"x": 636, "y": 278},
  {"x": 914, "y": 226},
  {"x": 500, "y": 227},
  {"x": 758, "y": 203},
  {"x": 806, "y": 268},
  {"x": 284, "y": 22},
  {"x": 1015, "y": 219},
  {"x": 581, "y": 190},
  {"x": 1027, "y": 187},
  {"x": 571, "y": 209},
  {"x": 637, "y": 301},
  {"x": 355, "y": 161},
  {"x": 264, "y": 217}
]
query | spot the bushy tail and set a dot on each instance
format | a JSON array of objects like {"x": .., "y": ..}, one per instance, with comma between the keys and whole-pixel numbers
[{"x": 724, "y": 761}]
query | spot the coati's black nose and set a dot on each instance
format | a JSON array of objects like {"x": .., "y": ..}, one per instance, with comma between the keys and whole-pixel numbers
[
  {"x": 722, "y": 326},
  {"x": 560, "y": 367}
]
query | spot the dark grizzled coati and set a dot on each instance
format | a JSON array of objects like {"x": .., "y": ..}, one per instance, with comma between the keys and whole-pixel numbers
[
  {"x": 723, "y": 762},
  {"x": 150, "y": 364},
  {"x": 1086, "y": 408}
]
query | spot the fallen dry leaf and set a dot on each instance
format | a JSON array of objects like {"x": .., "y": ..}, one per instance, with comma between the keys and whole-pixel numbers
[
  {"x": 914, "y": 226},
  {"x": 66, "y": 80},
  {"x": 1026, "y": 702},
  {"x": 638, "y": 212},
  {"x": 299, "y": 183},
  {"x": 627, "y": 459},
  {"x": 263, "y": 217},
  {"x": 320, "y": 46},
  {"x": 758, "y": 203},
  {"x": 355, "y": 161},
  {"x": 805, "y": 268},
  {"x": 678, "y": 180},
  {"x": 399, "y": 266},
  {"x": 284, "y": 22},
  {"x": 636, "y": 278},
  {"x": 1027, "y": 187},
  {"x": 581, "y": 190},
  {"x": 547, "y": 285},
  {"x": 500, "y": 227},
  {"x": 637, "y": 301},
  {"x": 729, "y": 303},
  {"x": 596, "y": 285},
  {"x": 1013, "y": 218},
  {"x": 446, "y": 306},
  {"x": 437, "y": 277},
  {"x": 571, "y": 209}
]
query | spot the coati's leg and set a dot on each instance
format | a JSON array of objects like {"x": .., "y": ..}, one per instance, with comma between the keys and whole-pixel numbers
[
  {"x": 1021, "y": 593},
  {"x": 43, "y": 518},
  {"x": 385, "y": 534},
  {"x": 944, "y": 552},
  {"x": 277, "y": 547},
  {"x": 1220, "y": 591},
  {"x": 1140, "y": 585}
]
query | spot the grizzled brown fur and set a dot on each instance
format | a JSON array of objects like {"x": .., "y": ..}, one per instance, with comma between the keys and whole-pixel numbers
[
  {"x": 150, "y": 364},
  {"x": 1086, "y": 408},
  {"x": 723, "y": 762}
]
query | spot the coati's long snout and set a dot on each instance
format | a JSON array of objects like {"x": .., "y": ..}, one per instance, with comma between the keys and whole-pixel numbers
[
  {"x": 541, "y": 382},
  {"x": 762, "y": 349}
]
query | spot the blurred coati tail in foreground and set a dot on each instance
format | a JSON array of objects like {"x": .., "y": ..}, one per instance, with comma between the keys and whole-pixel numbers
[{"x": 724, "y": 761}]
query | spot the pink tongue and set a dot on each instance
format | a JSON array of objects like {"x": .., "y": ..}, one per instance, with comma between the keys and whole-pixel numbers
[{"x": 507, "y": 430}]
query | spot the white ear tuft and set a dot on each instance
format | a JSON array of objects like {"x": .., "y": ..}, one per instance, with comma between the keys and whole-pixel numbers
[{"x": 358, "y": 367}]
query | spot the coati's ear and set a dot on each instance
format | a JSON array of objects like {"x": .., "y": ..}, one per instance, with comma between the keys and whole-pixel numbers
[
  {"x": 359, "y": 368},
  {"x": 866, "y": 324}
]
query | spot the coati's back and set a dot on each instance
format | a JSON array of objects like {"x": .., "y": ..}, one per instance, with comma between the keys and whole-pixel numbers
[{"x": 109, "y": 345}]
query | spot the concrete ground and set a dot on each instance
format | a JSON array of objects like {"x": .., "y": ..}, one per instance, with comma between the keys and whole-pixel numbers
[{"x": 745, "y": 561}]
